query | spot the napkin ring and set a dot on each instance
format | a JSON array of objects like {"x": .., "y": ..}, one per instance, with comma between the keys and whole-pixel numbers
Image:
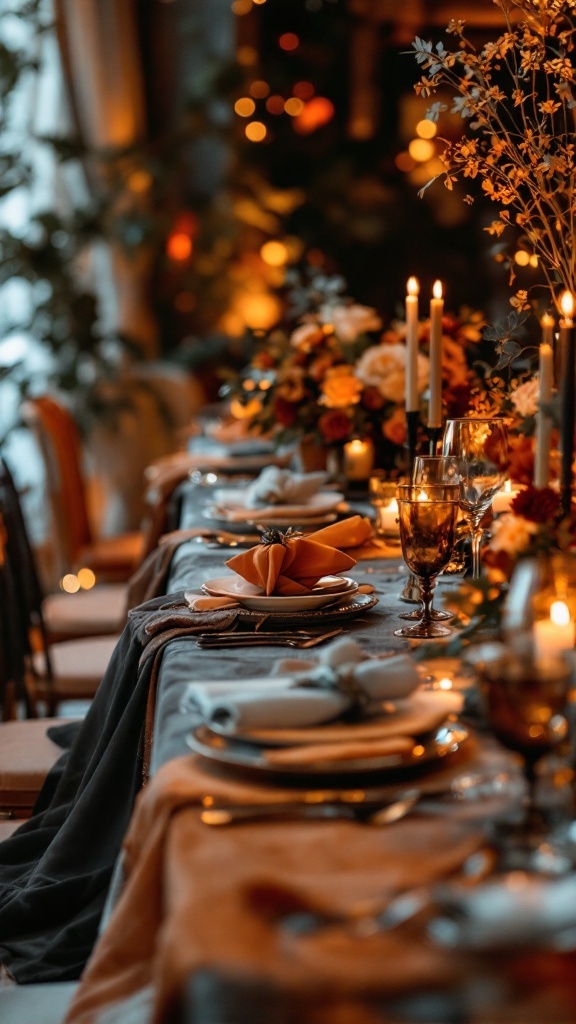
[{"x": 342, "y": 679}]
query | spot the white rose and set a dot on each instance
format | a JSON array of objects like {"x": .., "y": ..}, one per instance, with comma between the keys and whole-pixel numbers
[
  {"x": 384, "y": 367},
  {"x": 511, "y": 533},
  {"x": 350, "y": 321},
  {"x": 525, "y": 397},
  {"x": 304, "y": 336}
]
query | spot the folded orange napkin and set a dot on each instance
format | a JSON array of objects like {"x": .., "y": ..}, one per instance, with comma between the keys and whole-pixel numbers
[
  {"x": 348, "y": 533},
  {"x": 283, "y": 564}
]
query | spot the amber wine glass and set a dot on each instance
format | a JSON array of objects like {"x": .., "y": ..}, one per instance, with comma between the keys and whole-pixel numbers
[
  {"x": 526, "y": 704},
  {"x": 427, "y": 515},
  {"x": 480, "y": 448}
]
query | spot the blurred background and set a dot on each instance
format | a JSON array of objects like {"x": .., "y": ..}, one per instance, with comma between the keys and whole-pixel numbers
[{"x": 164, "y": 163}]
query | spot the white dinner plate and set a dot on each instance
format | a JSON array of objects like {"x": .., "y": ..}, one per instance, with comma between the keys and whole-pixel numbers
[
  {"x": 249, "y": 758},
  {"x": 214, "y": 514},
  {"x": 328, "y": 589},
  {"x": 230, "y": 501}
]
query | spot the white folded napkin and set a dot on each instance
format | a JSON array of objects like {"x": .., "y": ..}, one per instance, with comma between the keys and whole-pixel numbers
[
  {"x": 517, "y": 910},
  {"x": 277, "y": 486},
  {"x": 344, "y": 677}
]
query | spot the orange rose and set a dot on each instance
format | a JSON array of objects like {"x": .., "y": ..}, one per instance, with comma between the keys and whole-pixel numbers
[{"x": 340, "y": 388}]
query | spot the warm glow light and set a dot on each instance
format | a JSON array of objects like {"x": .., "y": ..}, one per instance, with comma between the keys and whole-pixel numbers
[
  {"x": 534, "y": 260},
  {"x": 559, "y": 613},
  {"x": 421, "y": 150},
  {"x": 413, "y": 286},
  {"x": 244, "y": 412},
  {"x": 507, "y": 487},
  {"x": 241, "y": 6},
  {"x": 179, "y": 246},
  {"x": 259, "y": 312},
  {"x": 275, "y": 254},
  {"x": 404, "y": 162},
  {"x": 259, "y": 89},
  {"x": 255, "y": 131},
  {"x": 522, "y": 258},
  {"x": 275, "y": 104},
  {"x": 246, "y": 56},
  {"x": 426, "y": 129},
  {"x": 567, "y": 304},
  {"x": 258, "y": 1},
  {"x": 294, "y": 106},
  {"x": 303, "y": 90},
  {"x": 437, "y": 290},
  {"x": 316, "y": 113},
  {"x": 289, "y": 41},
  {"x": 444, "y": 684},
  {"x": 140, "y": 181},
  {"x": 422, "y": 496},
  {"x": 86, "y": 578},
  {"x": 70, "y": 584},
  {"x": 244, "y": 107},
  {"x": 547, "y": 320}
]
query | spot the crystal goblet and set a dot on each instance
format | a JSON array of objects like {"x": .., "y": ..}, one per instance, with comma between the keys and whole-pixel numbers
[
  {"x": 433, "y": 469},
  {"x": 427, "y": 514},
  {"x": 480, "y": 448}
]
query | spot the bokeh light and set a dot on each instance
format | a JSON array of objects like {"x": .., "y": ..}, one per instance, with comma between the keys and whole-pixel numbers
[
  {"x": 426, "y": 129},
  {"x": 241, "y": 6},
  {"x": 70, "y": 584},
  {"x": 259, "y": 89},
  {"x": 255, "y": 131},
  {"x": 404, "y": 162},
  {"x": 421, "y": 150},
  {"x": 274, "y": 253},
  {"x": 289, "y": 41},
  {"x": 315, "y": 114},
  {"x": 522, "y": 258},
  {"x": 303, "y": 90},
  {"x": 247, "y": 56},
  {"x": 275, "y": 104},
  {"x": 179, "y": 246},
  {"x": 294, "y": 106},
  {"x": 86, "y": 578},
  {"x": 245, "y": 106}
]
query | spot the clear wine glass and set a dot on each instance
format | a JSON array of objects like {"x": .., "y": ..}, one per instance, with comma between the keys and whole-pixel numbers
[
  {"x": 432, "y": 469},
  {"x": 480, "y": 449},
  {"x": 427, "y": 516}
]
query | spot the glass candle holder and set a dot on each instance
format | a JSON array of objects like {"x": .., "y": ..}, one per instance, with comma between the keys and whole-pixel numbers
[{"x": 384, "y": 502}]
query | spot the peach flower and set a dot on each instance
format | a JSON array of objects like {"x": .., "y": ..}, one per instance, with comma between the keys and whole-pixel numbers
[
  {"x": 340, "y": 388},
  {"x": 383, "y": 367},
  {"x": 525, "y": 397}
]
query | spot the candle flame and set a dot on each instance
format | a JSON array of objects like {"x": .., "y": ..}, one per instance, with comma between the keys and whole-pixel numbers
[
  {"x": 413, "y": 286},
  {"x": 567, "y": 304},
  {"x": 437, "y": 290},
  {"x": 422, "y": 496},
  {"x": 560, "y": 613},
  {"x": 547, "y": 320},
  {"x": 508, "y": 486},
  {"x": 393, "y": 505}
]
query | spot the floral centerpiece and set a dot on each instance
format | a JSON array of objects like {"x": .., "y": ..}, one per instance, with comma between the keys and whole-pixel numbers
[
  {"x": 334, "y": 375},
  {"x": 518, "y": 95}
]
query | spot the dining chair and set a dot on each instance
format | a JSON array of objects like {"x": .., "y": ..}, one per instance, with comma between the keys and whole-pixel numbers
[
  {"x": 31, "y": 666},
  {"x": 110, "y": 558}
]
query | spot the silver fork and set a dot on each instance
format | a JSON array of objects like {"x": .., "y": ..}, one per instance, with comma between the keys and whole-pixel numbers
[{"x": 207, "y": 640}]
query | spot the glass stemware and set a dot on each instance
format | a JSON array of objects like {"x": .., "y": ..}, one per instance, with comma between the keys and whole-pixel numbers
[
  {"x": 526, "y": 704},
  {"x": 427, "y": 515},
  {"x": 432, "y": 469},
  {"x": 480, "y": 449}
]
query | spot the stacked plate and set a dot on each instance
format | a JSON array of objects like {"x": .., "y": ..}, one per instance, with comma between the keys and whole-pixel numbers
[
  {"x": 228, "y": 508},
  {"x": 328, "y": 590}
]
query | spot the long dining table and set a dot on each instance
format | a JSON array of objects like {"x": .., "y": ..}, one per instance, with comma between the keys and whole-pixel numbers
[{"x": 277, "y": 916}]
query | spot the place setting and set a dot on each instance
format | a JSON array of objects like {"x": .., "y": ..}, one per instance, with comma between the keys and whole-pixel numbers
[{"x": 345, "y": 715}]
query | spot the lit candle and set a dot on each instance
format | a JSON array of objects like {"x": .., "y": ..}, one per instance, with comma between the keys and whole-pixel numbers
[
  {"x": 567, "y": 397},
  {"x": 358, "y": 459},
  {"x": 543, "y": 422},
  {"x": 387, "y": 519},
  {"x": 547, "y": 325},
  {"x": 503, "y": 498},
  {"x": 435, "y": 403},
  {"x": 411, "y": 392},
  {"x": 555, "y": 635}
]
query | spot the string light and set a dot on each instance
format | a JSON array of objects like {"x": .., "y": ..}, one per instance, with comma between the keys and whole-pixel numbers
[
  {"x": 421, "y": 150},
  {"x": 426, "y": 129}
]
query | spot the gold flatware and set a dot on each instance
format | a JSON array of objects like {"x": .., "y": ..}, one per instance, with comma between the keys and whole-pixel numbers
[
  {"x": 372, "y": 811},
  {"x": 207, "y": 640}
]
